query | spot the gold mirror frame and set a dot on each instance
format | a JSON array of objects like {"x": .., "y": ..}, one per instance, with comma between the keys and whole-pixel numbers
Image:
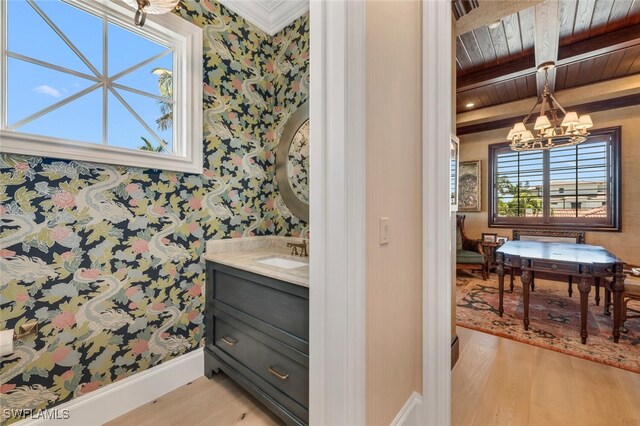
[{"x": 295, "y": 205}]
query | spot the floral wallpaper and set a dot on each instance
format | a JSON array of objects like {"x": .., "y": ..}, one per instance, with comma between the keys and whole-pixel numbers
[
  {"x": 298, "y": 163},
  {"x": 290, "y": 80},
  {"x": 108, "y": 259}
]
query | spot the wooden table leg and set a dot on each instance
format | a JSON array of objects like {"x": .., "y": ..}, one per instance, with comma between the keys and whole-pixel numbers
[
  {"x": 607, "y": 301},
  {"x": 526, "y": 287},
  {"x": 533, "y": 281},
  {"x": 597, "y": 279},
  {"x": 512, "y": 275},
  {"x": 617, "y": 288},
  {"x": 584, "y": 286},
  {"x": 570, "y": 285},
  {"x": 500, "y": 271}
]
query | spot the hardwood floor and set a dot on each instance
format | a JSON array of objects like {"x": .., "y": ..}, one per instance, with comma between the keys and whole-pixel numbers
[
  {"x": 495, "y": 382},
  {"x": 218, "y": 401},
  {"x": 502, "y": 382}
]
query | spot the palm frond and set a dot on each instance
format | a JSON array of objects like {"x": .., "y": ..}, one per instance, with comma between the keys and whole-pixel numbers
[
  {"x": 148, "y": 146},
  {"x": 165, "y": 87}
]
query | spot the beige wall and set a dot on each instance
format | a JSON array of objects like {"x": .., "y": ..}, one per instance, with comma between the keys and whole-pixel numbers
[
  {"x": 625, "y": 244},
  {"x": 394, "y": 190}
]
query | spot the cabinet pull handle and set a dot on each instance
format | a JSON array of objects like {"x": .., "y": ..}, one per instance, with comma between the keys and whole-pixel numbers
[
  {"x": 229, "y": 341},
  {"x": 279, "y": 375}
]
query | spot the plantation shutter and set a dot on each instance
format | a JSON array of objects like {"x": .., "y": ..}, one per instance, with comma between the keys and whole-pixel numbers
[{"x": 574, "y": 186}]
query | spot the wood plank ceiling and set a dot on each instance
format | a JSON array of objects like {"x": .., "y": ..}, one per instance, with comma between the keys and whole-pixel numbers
[{"x": 599, "y": 40}]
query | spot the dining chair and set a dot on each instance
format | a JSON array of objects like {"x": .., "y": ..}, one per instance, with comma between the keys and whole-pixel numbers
[{"x": 631, "y": 294}]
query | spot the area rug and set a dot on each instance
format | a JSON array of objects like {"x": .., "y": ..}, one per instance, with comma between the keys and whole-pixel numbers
[{"x": 554, "y": 320}]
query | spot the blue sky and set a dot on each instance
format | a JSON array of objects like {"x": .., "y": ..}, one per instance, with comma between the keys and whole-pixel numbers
[{"x": 32, "y": 87}]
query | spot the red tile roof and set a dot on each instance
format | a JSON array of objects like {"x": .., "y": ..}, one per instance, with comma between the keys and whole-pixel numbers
[{"x": 596, "y": 212}]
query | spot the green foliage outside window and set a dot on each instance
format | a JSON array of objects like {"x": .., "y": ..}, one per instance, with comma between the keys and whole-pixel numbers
[{"x": 518, "y": 200}]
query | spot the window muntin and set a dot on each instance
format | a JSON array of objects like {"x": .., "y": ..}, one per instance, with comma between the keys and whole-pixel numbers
[
  {"x": 95, "y": 81},
  {"x": 576, "y": 186}
]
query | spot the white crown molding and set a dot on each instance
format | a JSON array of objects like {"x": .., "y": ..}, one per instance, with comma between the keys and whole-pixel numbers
[{"x": 270, "y": 16}]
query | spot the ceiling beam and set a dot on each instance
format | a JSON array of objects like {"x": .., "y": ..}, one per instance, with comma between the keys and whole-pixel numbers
[
  {"x": 491, "y": 11},
  {"x": 462, "y": 7},
  {"x": 587, "y": 49},
  {"x": 546, "y": 39},
  {"x": 623, "y": 38},
  {"x": 584, "y": 108},
  {"x": 608, "y": 91},
  {"x": 496, "y": 74}
]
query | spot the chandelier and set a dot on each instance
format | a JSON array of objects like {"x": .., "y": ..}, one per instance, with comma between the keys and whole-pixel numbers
[
  {"x": 154, "y": 7},
  {"x": 550, "y": 130}
]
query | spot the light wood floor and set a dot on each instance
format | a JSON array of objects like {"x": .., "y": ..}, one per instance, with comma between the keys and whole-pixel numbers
[
  {"x": 215, "y": 402},
  {"x": 495, "y": 382},
  {"x": 502, "y": 382}
]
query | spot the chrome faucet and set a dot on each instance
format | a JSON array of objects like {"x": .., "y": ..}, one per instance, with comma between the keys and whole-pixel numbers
[{"x": 302, "y": 246}]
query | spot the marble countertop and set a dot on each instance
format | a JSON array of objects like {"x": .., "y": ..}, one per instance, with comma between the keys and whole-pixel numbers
[{"x": 244, "y": 253}]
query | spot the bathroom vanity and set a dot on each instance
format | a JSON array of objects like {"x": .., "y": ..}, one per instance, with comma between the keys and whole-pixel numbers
[{"x": 257, "y": 321}]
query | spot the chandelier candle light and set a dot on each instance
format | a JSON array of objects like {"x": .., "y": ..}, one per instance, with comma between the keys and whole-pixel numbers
[
  {"x": 154, "y": 7},
  {"x": 550, "y": 131}
]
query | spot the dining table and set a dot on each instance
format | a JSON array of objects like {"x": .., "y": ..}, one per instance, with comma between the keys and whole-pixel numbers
[{"x": 587, "y": 262}]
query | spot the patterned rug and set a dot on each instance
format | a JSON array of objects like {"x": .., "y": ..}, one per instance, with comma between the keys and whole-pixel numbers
[{"x": 555, "y": 320}]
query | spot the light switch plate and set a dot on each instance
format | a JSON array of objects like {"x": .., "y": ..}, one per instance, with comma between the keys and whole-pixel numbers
[{"x": 383, "y": 236}]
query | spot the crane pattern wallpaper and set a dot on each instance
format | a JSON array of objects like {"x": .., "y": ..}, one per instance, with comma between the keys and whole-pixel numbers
[{"x": 108, "y": 259}]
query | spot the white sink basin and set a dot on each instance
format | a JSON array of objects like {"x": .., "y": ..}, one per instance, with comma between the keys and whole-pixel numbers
[{"x": 282, "y": 263}]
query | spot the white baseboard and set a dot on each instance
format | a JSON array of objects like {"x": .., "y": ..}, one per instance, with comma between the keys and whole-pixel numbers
[
  {"x": 410, "y": 414},
  {"x": 116, "y": 399}
]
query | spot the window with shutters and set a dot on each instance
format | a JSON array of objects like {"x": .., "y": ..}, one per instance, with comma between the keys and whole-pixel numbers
[{"x": 568, "y": 187}]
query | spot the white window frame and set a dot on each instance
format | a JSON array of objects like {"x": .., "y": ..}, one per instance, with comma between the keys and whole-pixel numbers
[{"x": 186, "y": 41}]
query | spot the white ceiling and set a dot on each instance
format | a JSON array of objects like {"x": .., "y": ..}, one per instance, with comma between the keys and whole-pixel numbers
[{"x": 269, "y": 15}]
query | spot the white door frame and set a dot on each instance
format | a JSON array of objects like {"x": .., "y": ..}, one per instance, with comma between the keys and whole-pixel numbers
[
  {"x": 337, "y": 214},
  {"x": 436, "y": 220}
]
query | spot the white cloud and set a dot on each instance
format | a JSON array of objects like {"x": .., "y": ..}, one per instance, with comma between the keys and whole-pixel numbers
[{"x": 48, "y": 90}]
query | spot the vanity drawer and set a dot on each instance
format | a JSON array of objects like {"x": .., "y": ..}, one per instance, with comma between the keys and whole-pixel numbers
[
  {"x": 549, "y": 266},
  {"x": 286, "y": 375},
  {"x": 282, "y": 305}
]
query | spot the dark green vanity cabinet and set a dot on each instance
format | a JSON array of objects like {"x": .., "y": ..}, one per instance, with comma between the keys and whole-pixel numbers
[{"x": 257, "y": 333}]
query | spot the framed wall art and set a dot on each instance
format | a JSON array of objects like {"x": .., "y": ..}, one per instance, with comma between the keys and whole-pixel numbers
[
  {"x": 469, "y": 185},
  {"x": 489, "y": 238},
  {"x": 454, "y": 163}
]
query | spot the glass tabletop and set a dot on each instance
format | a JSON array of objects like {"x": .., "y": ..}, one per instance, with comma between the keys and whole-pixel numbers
[{"x": 560, "y": 252}]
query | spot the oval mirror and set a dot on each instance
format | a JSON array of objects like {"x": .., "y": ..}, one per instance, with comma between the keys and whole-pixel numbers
[{"x": 292, "y": 163}]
